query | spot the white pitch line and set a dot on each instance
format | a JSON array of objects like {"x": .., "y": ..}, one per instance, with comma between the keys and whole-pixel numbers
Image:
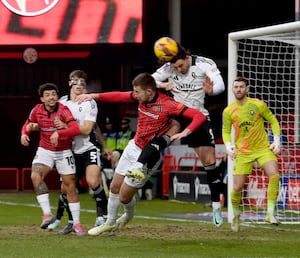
[
  {"x": 271, "y": 227},
  {"x": 92, "y": 211}
]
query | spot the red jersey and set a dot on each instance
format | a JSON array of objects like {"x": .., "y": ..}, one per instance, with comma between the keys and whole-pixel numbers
[
  {"x": 154, "y": 118},
  {"x": 45, "y": 120}
]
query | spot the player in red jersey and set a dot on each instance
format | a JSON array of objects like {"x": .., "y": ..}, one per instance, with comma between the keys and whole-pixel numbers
[
  {"x": 155, "y": 115},
  {"x": 54, "y": 150}
]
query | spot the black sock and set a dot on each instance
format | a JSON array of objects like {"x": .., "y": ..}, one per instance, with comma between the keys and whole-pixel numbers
[
  {"x": 150, "y": 155},
  {"x": 66, "y": 204},
  {"x": 60, "y": 207},
  {"x": 214, "y": 182},
  {"x": 101, "y": 201}
]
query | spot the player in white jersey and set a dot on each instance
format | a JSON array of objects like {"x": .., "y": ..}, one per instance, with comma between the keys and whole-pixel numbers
[
  {"x": 189, "y": 78},
  {"x": 87, "y": 155}
]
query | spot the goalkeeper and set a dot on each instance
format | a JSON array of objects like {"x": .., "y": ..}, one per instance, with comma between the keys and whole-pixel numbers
[{"x": 247, "y": 116}]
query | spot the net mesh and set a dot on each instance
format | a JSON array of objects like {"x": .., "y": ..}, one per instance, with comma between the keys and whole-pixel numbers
[{"x": 271, "y": 65}]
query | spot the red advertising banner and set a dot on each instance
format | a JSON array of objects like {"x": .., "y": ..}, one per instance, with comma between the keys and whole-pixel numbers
[{"x": 28, "y": 22}]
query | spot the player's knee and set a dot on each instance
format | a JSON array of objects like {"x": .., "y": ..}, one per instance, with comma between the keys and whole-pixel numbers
[{"x": 36, "y": 178}]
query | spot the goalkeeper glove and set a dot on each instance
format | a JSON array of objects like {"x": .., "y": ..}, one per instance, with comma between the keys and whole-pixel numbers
[
  {"x": 230, "y": 150},
  {"x": 275, "y": 146}
]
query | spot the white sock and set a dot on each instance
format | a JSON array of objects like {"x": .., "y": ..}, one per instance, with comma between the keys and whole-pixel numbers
[
  {"x": 216, "y": 205},
  {"x": 75, "y": 211},
  {"x": 130, "y": 209},
  {"x": 43, "y": 200},
  {"x": 113, "y": 208}
]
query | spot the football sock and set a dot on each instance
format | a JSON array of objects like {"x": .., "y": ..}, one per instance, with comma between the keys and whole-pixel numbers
[
  {"x": 214, "y": 182},
  {"x": 75, "y": 210},
  {"x": 60, "y": 207},
  {"x": 130, "y": 208},
  {"x": 235, "y": 200},
  {"x": 113, "y": 208},
  {"x": 101, "y": 200},
  {"x": 43, "y": 200},
  {"x": 273, "y": 189},
  {"x": 66, "y": 205}
]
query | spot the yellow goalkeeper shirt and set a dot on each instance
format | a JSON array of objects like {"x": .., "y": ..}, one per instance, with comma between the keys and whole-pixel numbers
[{"x": 248, "y": 122}]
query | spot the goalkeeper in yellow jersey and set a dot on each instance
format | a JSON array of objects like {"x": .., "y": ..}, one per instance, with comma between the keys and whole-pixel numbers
[{"x": 247, "y": 116}]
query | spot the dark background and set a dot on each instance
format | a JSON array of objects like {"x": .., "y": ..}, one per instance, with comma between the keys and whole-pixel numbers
[{"x": 205, "y": 25}]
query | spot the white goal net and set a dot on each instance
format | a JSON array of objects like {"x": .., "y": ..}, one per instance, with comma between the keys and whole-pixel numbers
[{"x": 269, "y": 58}]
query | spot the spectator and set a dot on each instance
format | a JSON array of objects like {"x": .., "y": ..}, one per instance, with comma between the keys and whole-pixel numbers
[
  {"x": 124, "y": 135},
  {"x": 110, "y": 134}
]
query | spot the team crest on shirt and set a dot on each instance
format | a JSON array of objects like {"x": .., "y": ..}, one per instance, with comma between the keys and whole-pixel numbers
[
  {"x": 194, "y": 75},
  {"x": 155, "y": 108}
]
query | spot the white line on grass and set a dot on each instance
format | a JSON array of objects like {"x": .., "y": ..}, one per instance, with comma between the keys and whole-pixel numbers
[
  {"x": 92, "y": 211},
  {"x": 153, "y": 218}
]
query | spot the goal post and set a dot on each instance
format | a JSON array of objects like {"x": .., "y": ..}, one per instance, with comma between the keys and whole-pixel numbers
[{"x": 269, "y": 58}]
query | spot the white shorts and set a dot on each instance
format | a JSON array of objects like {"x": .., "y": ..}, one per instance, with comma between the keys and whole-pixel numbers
[
  {"x": 62, "y": 160},
  {"x": 128, "y": 161}
]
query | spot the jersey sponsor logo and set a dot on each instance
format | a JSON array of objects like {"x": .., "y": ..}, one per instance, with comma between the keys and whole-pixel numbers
[
  {"x": 29, "y": 7},
  {"x": 154, "y": 116},
  {"x": 246, "y": 124},
  {"x": 188, "y": 86}
]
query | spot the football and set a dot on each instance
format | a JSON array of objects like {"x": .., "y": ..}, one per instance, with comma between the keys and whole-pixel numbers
[{"x": 165, "y": 48}]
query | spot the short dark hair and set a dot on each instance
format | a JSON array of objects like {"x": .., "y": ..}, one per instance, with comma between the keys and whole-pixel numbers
[
  {"x": 182, "y": 53},
  {"x": 241, "y": 79},
  {"x": 78, "y": 73},
  {"x": 145, "y": 81},
  {"x": 47, "y": 86}
]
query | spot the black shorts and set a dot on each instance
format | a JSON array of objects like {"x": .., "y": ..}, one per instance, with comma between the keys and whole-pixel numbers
[
  {"x": 203, "y": 136},
  {"x": 83, "y": 160}
]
